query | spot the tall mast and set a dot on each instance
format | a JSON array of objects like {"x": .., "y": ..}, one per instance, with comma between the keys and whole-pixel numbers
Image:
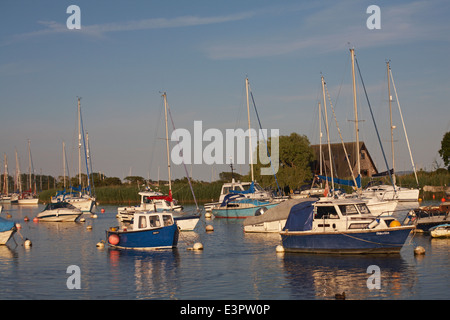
[
  {"x": 18, "y": 178},
  {"x": 5, "y": 186},
  {"x": 320, "y": 140},
  {"x": 249, "y": 130},
  {"x": 64, "y": 164},
  {"x": 167, "y": 144},
  {"x": 390, "y": 117},
  {"x": 328, "y": 133},
  {"x": 404, "y": 128},
  {"x": 358, "y": 161},
  {"x": 79, "y": 141},
  {"x": 29, "y": 164}
]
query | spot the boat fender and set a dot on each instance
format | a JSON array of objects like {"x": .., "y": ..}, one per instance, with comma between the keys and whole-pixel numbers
[
  {"x": 373, "y": 224},
  {"x": 114, "y": 239},
  {"x": 260, "y": 211}
]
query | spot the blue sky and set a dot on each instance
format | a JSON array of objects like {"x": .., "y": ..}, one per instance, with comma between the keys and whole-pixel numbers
[{"x": 127, "y": 52}]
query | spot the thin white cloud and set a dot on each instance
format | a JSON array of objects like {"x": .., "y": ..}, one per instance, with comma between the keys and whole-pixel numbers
[
  {"x": 333, "y": 27},
  {"x": 100, "y": 30}
]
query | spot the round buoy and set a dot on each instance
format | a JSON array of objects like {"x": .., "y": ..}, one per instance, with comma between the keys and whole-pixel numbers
[
  {"x": 100, "y": 244},
  {"x": 394, "y": 223},
  {"x": 208, "y": 215},
  {"x": 35, "y": 219},
  {"x": 27, "y": 243},
  {"x": 209, "y": 228},
  {"x": 197, "y": 246},
  {"x": 279, "y": 248},
  {"x": 113, "y": 239},
  {"x": 94, "y": 216},
  {"x": 419, "y": 250},
  {"x": 82, "y": 220},
  {"x": 443, "y": 199},
  {"x": 89, "y": 227},
  {"x": 18, "y": 226},
  {"x": 8, "y": 216},
  {"x": 26, "y": 219},
  {"x": 420, "y": 199},
  {"x": 102, "y": 211}
]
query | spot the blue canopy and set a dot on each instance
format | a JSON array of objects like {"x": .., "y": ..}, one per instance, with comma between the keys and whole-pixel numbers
[
  {"x": 300, "y": 217},
  {"x": 350, "y": 183},
  {"x": 5, "y": 225},
  {"x": 250, "y": 190}
]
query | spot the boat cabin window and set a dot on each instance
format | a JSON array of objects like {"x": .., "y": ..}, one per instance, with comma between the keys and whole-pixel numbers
[
  {"x": 326, "y": 212},
  {"x": 348, "y": 209},
  {"x": 154, "y": 221},
  {"x": 362, "y": 208},
  {"x": 167, "y": 220},
  {"x": 142, "y": 222}
]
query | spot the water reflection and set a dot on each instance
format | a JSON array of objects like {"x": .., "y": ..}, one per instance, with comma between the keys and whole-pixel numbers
[
  {"x": 153, "y": 273},
  {"x": 323, "y": 276}
]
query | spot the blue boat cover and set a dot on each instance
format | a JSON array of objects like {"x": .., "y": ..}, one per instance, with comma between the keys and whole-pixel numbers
[
  {"x": 250, "y": 190},
  {"x": 5, "y": 225},
  {"x": 350, "y": 183},
  {"x": 300, "y": 217}
]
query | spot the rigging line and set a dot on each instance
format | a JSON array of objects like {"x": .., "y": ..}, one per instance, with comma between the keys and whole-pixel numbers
[
  {"x": 404, "y": 128},
  {"x": 85, "y": 155},
  {"x": 340, "y": 135},
  {"x": 182, "y": 157},
  {"x": 375, "y": 125},
  {"x": 265, "y": 140}
]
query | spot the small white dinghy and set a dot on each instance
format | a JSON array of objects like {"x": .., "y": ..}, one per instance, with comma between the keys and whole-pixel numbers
[
  {"x": 440, "y": 231},
  {"x": 59, "y": 212}
]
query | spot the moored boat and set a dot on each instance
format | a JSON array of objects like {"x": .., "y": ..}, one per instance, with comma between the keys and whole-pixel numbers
[
  {"x": 59, "y": 212},
  {"x": 440, "y": 231},
  {"x": 149, "y": 231},
  {"x": 7, "y": 229},
  {"x": 342, "y": 226},
  {"x": 233, "y": 208},
  {"x": 426, "y": 217},
  {"x": 274, "y": 219}
]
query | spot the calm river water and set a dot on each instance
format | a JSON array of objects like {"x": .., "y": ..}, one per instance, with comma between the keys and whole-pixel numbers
[{"x": 232, "y": 266}]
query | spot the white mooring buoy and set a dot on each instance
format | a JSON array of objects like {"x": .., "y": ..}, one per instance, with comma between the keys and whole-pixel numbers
[
  {"x": 27, "y": 243},
  {"x": 419, "y": 250},
  {"x": 279, "y": 249}
]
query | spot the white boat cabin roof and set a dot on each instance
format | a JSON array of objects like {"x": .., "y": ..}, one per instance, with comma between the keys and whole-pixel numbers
[{"x": 151, "y": 220}]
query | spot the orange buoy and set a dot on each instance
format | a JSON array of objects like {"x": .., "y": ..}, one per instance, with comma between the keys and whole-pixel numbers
[
  {"x": 443, "y": 199},
  {"x": 394, "y": 223},
  {"x": 26, "y": 219},
  {"x": 35, "y": 219},
  {"x": 103, "y": 210},
  {"x": 113, "y": 239}
]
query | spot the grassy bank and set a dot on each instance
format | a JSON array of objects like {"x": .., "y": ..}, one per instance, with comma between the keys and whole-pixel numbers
[
  {"x": 128, "y": 195},
  {"x": 206, "y": 192}
]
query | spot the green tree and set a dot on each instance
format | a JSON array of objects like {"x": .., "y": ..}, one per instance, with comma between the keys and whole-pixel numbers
[
  {"x": 295, "y": 160},
  {"x": 444, "y": 152}
]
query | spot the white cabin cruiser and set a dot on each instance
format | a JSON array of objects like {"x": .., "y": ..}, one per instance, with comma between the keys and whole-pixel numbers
[{"x": 59, "y": 212}]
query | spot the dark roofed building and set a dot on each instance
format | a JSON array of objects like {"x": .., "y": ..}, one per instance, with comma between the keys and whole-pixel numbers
[{"x": 340, "y": 168}]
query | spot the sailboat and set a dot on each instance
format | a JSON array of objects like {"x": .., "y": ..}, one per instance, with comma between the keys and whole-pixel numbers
[
  {"x": 394, "y": 192},
  {"x": 236, "y": 204},
  {"x": 152, "y": 201},
  {"x": 79, "y": 198},
  {"x": 5, "y": 197},
  {"x": 375, "y": 204},
  {"x": 29, "y": 197}
]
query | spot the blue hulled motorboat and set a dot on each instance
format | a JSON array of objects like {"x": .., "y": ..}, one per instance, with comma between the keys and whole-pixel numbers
[
  {"x": 147, "y": 231},
  {"x": 342, "y": 226}
]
